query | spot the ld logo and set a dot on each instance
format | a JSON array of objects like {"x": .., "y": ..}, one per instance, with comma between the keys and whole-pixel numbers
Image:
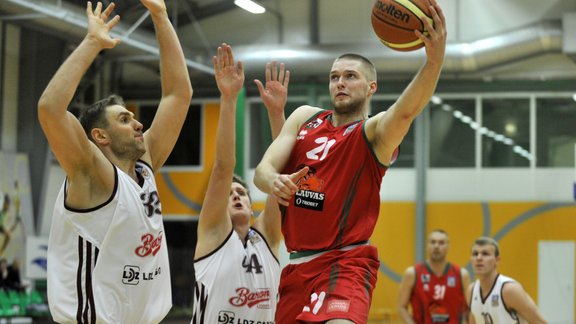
[{"x": 131, "y": 275}]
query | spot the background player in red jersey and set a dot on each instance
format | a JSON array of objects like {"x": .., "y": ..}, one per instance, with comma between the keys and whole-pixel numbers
[
  {"x": 333, "y": 269},
  {"x": 435, "y": 288}
]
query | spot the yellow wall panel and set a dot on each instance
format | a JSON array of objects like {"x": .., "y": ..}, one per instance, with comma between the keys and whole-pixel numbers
[
  {"x": 518, "y": 226},
  {"x": 182, "y": 192}
]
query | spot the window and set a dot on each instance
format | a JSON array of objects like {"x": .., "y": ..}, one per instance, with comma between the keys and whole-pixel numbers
[
  {"x": 452, "y": 134},
  {"x": 259, "y": 128},
  {"x": 506, "y": 132},
  {"x": 186, "y": 152},
  {"x": 556, "y": 135}
]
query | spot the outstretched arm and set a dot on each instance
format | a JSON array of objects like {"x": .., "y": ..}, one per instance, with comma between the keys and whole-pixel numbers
[
  {"x": 215, "y": 223},
  {"x": 176, "y": 89},
  {"x": 274, "y": 95},
  {"x": 76, "y": 154},
  {"x": 404, "y": 293},
  {"x": 387, "y": 129}
]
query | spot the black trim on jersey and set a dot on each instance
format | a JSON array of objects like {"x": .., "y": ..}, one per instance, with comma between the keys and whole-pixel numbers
[
  {"x": 89, "y": 210},
  {"x": 88, "y": 285},
  {"x": 482, "y": 299},
  {"x": 140, "y": 177},
  {"x": 267, "y": 245},
  {"x": 386, "y": 167},
  {"x": 200, "y": 303},
  {"x": 216, "y": 249},
  {"x": 512, "y": 313},
  {"x": 86, "y": 310},
  {"x": 228, "y": 238},
  {"x": 146, "y": 163},
  {"x": 79, "y": 279}
]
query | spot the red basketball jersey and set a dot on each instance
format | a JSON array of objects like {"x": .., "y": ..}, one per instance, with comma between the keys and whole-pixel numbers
[
  {"x": 437, "y": 299},
  {"x": 338, "y": 201}
]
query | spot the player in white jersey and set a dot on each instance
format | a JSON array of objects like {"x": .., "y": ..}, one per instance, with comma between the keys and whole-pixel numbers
[
  {"x": 236, "y": 264},
  {"x": 494, "y": 298},
  {"x": 107, "y": 256},
  {"x": 115, "y": 261}
]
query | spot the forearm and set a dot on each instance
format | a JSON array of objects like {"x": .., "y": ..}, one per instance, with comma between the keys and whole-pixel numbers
[
  {"x": 418, "y": 93},
  {"x": 276, "y": 122},
  {"x": 61, "y": 88},
  {"x": 264, "y": 177},
  {"x": 225, "y": 156},
  {"x": 173, "y": 69}
]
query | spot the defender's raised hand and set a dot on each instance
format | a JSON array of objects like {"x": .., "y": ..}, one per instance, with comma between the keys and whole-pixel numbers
[
  {"x": 99, "y": 26},
  {"x": 275, "y": 92},
  {"x": 229, "y": 76}
]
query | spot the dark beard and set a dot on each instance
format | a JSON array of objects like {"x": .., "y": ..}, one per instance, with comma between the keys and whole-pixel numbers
[
  {"x": 348, "y": 108},
  {"x": 124, "y": 152}
]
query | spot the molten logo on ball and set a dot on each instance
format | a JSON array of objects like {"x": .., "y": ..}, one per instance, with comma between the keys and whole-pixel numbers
[
  {"x": 394, "y": 22},
  {"x": 391, "y": 11}
]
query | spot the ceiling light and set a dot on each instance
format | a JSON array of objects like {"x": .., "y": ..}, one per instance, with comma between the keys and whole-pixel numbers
[
  {"x": 250, "y": 6},
  {"x": 436, "y": 100}
]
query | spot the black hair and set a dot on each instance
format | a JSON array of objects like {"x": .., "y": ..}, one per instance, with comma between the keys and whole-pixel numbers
[
  {"x": 236, "y": 178},
  {"x": 95, "y": 115}
]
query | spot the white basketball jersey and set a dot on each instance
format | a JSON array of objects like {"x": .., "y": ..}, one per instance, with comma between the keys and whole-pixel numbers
[
  {"x": 492, "y": 310},
  {"x": 109, "y": 264},
  {"x": 237, "y": 283}
]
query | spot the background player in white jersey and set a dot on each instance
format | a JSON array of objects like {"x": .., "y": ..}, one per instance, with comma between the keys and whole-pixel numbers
[
  {"x": 236, "y": 265},
  {"x": 107, "y": 256},
  {"x": 494, "y": 298}
]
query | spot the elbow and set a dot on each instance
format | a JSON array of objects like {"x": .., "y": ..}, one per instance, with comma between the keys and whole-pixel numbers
[
  {"x": 259, "y": 178},
  {"x": 43, "y": 110},
  {"x": 188, "y": 92}
]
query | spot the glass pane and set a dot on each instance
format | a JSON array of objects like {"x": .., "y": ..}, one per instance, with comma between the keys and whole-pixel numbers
[
  {"x": 406, "y": 156},
  {"x": 259, "y": 129},
  {"x": 186, "y": 152},
  {"x": 452, "y": 133},
  {"x": 506, "y": 130},
  {"x": 555, "y": 120}
]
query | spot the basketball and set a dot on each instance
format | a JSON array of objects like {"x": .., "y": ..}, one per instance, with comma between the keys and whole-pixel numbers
[{"x": 394, "y": 22}]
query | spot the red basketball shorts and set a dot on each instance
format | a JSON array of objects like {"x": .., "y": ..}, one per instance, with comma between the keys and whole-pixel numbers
[{"x": 335, "y": 285}]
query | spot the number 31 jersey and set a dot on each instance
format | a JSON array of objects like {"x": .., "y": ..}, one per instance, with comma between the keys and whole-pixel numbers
[{"x": 437, "y": 299}]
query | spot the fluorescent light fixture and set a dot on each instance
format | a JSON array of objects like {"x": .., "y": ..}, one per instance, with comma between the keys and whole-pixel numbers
[{"x": 250, "y": 6}]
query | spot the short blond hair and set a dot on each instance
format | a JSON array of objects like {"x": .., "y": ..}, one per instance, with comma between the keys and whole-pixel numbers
[{"x": 485, "y": 240}]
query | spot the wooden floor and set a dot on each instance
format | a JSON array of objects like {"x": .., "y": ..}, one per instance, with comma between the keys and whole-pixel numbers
[{"x": 373, "y": 321}]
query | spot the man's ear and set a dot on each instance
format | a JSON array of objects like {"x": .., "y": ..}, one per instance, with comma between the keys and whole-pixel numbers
[
  {"x": 373, "y": 87},
  {"x": 99, "y": 135}
]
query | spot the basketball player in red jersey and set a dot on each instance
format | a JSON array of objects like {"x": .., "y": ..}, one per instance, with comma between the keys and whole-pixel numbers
[
  {"x": 434, "y": 289},
  {"x": 328, "y": 219}
]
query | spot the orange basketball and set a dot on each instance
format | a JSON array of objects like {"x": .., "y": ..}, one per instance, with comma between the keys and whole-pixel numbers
[{"x": 394, "y": 22}]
